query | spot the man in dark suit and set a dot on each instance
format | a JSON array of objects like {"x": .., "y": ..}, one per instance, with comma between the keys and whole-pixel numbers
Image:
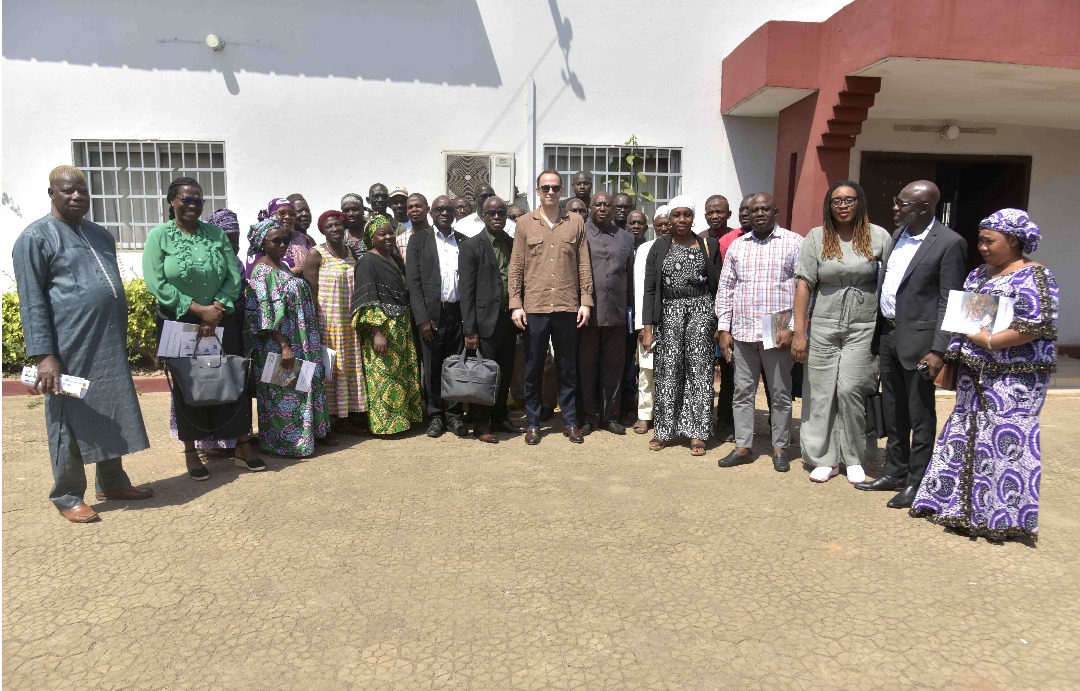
[
  {"x": 927, "y": 261},
  {"x": 485, "y": 310},
  {"x": 431, "y": 272}
]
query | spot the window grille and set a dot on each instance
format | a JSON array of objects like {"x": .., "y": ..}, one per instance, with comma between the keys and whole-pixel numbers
[
  {"x": 661, "y": 167},
  {"x": 128, "y": 181}
]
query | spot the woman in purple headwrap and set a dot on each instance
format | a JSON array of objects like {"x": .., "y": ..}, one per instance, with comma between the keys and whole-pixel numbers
[
  {"x": 984, "y": 475},
  {"x": 283, "y": 211}
]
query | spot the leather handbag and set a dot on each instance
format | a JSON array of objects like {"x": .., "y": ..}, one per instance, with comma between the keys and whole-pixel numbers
[
  {"x": 946, "y": 377},
  {"x": 875, "y": 416},
  {"x": 204, "y": 380},
  {"x": 470, "y": 380}
]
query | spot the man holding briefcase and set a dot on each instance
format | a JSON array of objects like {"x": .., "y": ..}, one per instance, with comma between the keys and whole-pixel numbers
[{"x": 484, "y": 261}]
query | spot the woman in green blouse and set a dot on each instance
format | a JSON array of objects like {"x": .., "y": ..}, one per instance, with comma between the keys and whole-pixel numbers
[{"x": 189, "y": 266}]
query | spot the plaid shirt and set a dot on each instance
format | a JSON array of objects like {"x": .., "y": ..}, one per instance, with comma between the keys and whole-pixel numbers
[
  {"x": 403, "y": 241},
  {"x": 758, "y": 278}
]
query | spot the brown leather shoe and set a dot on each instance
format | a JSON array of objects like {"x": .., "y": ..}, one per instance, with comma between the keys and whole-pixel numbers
[
  {"x": 532, "y": 436},
  {"x": 128, "y": 493},
  {"x": 483, "y": 433},
  {"x": 80, "y": 513},
  {"x": 573, "y": 433}
]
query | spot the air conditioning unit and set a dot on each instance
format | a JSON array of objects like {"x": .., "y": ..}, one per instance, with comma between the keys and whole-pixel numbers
[{"x": 467, "y": 170}]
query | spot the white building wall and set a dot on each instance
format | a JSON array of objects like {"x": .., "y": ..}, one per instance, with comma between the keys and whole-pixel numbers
[
  {"x": 329, "y": 96},
  {"x": 1055, "y": 181}
]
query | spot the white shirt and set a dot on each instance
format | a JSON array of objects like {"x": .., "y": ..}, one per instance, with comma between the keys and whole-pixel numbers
[
  {"x": 472, "y": 224},
  {"x": 902, "y": 253},
  {"x": 448, "y": 266},
  {"x": 641, "y": 257}
]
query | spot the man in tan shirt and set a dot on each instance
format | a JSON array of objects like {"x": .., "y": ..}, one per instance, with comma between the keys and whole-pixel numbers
[{"x": 551, "y": 293}]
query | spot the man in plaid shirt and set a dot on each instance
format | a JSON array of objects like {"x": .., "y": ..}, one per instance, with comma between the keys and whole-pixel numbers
[{"x": 758, "y": 279}]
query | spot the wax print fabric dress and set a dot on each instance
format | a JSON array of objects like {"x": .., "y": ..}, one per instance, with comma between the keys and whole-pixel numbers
[
  {"x": 347, "y": 393},
  {"x": 289, "y": 420},
  {"x": 381, "y": 299},
  {"x": 984, "y": 475}
]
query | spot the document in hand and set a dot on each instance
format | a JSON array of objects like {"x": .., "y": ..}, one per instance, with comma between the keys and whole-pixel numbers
[
  {"x": 69, "y": 385},
  {"x": 969, "y": 313},
  {"x": 179, "y": 339},
  {"x": 296, "y": 377},
  {"x": 773, "y": 323}
]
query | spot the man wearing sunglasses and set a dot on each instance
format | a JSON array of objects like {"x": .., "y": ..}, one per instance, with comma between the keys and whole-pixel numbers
[
  {"x": 473, "y": 224},
  {"x": 551, "y": 289}
]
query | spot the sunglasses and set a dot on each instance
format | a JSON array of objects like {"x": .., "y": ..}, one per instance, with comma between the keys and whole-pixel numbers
[
  {"x": 191, "y": 201},
  {"x": 496, "y": 213},
  {"x": 897, "y": 201},
  {"x": 280, "y": 242},
  {"x": 550, "y": 188},
  {"x": 441, "y": 209}
]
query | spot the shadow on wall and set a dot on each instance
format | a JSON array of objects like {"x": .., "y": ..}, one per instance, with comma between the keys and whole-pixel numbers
[
  {"x": 753, "y": 152},
  {"x": 441, "y": 41}
]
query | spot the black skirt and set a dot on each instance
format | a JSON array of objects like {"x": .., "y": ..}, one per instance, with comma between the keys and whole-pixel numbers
[{"x": 225, "y": 421}]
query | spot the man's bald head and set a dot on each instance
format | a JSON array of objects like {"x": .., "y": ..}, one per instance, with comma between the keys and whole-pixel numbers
[{"x": 916, "y": 204}]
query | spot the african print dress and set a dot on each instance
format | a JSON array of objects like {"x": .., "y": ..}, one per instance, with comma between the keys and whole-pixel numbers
[
  {"x": 347, "y": 392},
  {"x": 289, "y": 420},
  {"x": 984, "y": 475}
]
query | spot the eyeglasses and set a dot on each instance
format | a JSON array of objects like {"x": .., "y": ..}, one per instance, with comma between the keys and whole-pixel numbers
[
  {"x": 897, "y": 201},
  {"x": 551, "y": 188},
  {"x": 280, "y": 242},
  {"x": 191, "y": 201},
  {"x": 442, "y": 209},
  {"x": 496, "y": 213},
  {"x": 839, "y": 202}
]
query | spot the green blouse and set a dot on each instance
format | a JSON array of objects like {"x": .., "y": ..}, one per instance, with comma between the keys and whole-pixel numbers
[{"x": 180, "y": 269}]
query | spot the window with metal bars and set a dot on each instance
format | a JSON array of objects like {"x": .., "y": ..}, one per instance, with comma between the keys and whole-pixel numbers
[
  {"x": 128, "y": 181},
  {"x": 660, "y": 170}
]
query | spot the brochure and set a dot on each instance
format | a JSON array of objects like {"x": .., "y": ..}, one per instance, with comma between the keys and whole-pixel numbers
[
  {"x": 179, "y": 340},
  {"x": 969, "y": 313},
  {"x": 296, "y": 377},
  {"x": 69, "y": 385},
  {"x": 773, "y": 323}
]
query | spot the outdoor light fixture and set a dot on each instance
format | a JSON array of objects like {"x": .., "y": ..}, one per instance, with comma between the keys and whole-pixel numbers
[
  {"x": 214, "y": 42},
  {"x": 949, "y": 132}
]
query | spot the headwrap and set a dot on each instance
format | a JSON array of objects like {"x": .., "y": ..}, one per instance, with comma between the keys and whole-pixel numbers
[
  {"x": 327, "y": 215},
  {"x": 1014, "y": 222},
  {"x": 682, "y": 201},
  {"x": 369, "y": 228},
  {"x": 276, "y": 204},
  {"x": 352, "y": 197},
  {"x": 661, "y": 211},
  {"x": 226, "y": 220},
  {"x": 258, "y": 232}
]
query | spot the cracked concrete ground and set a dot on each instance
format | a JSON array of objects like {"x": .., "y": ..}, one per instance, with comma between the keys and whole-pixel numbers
[{"x": 418, "y": 563}]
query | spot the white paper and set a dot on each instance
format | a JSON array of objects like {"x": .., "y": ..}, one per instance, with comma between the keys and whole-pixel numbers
[
  {"x": 969, "y": 313},
  {"x": 296, "y": 377},
  {"x": 69, "y": 385},
  {"x": 179, "y": 340},
  {"x": 773, "y": 323},
  {"x": 329, "y": 357}
]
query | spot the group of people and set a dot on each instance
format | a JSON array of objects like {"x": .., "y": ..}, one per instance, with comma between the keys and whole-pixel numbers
[{"x": 580, "y": 309}]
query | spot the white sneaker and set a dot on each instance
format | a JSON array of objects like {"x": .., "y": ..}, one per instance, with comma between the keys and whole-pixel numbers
[
  {"x": 823, "y": 473},
  {"x": 855, "y": 474}
]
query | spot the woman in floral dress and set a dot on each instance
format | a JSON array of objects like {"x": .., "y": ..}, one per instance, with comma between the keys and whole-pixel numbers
[
  {"x": 281, "y": 318},
  {"x": 985, "y": 472}
]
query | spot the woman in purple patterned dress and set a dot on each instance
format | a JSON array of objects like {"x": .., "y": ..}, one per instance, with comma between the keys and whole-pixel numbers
[{"x": 984, "y": 475}]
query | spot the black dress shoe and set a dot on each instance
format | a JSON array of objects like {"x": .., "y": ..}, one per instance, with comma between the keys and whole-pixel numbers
[
  {"x": 904, "y": 498},
  {"x": 507, "y": 426},
  {"x": 780, "y": 462},
  {"x": 885, "y": 483},
  {"x": 614, "y": 426},
  {"x": 436, "y": 428},
  {"x": 458, "y": 427},
  {"x": 573, "y": 433},
  {"x": 735, "y": 458},
  {"x": 532, "y": 436},
  {"x": 725, "y": 434}
]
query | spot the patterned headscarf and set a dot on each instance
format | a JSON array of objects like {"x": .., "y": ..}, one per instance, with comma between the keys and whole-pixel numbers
[
  {"x": 258, "y": 232},
  {"x": 371, "y": 226},
  {"x": 226, "y": 220},
  {"x": 327, "y": 215},
  {"x": 352, "y": 197},
  {"x": 1014, "y": 222},
  {"x": 278, "y": 203}
]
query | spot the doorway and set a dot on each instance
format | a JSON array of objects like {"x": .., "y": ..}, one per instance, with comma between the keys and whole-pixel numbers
[{"x": 972, "y": 187}]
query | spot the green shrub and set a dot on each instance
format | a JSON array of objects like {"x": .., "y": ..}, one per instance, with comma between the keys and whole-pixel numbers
[{"x": 141, "y": 341}]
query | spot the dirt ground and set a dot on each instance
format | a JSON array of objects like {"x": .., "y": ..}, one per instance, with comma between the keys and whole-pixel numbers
[{"x": 419, "y": 563}]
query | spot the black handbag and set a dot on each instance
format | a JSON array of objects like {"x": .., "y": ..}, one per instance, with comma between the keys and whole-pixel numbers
[
  {"x": 204, "y": 380},
  {"x": 875, "y": 416},
  {"x": 470, "y": 380}
]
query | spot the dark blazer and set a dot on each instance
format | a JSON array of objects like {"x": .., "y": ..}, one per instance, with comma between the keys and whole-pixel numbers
[
  {"x": 479, "y": 285},
  {"x": 423, "y": 277},
  {"x": 938, "y": 266},
  {"x": 652, "y": 300}
]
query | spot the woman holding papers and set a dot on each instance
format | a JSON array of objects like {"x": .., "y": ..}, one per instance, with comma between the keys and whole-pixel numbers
[
  {"x": 839, "y": 264},
  {"x": 281, "y": 320},
  {"x": 190, "y": 267},
  {"x": 984, "y": 475}
]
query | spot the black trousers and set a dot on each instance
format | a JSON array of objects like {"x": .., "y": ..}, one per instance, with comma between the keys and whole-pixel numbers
[
  {"x": 907, "y": 400},
  {"x": 448, "y": 340},
  {"x": 561, "y": 328},
  {"x": 500, "y": 347},
  {"x": 601, "y": 359}
]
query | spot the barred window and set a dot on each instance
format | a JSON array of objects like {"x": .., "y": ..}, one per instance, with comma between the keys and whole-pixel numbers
[
  {"x": 128, "y": 181},
  {"x": 660, "y": 170}
]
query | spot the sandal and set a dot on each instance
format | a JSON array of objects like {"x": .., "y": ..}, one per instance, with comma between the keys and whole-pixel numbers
[
  {"x": 196, "y": 470},
  {"x": 243, "y": 461},
  {"x": 656, "y": 444},
  {"x": 328, "y": 440},
  {"x": 641, "y": 427},
  {"x": 697, "y": 448}
]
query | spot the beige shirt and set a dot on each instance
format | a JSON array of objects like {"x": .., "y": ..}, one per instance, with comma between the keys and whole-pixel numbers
[{"x": 549, "y": 268}]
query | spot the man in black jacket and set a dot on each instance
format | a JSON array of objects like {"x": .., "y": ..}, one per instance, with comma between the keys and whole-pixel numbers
[
  {"x": 927, "y": 261},
  {"x": 485, "y": 310},
  {"x": 431, "y": 272}
]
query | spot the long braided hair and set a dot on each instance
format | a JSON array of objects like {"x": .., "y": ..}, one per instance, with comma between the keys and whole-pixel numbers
[
  {"x": 830, "y": 246},
  {"x": 174, "y": 189}
]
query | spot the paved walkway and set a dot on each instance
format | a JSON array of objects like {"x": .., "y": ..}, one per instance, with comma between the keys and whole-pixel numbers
[{"x": 420, "y": 563}]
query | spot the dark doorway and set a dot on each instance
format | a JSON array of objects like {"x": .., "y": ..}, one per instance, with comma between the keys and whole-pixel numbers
[{"x": 972, "y": 187}]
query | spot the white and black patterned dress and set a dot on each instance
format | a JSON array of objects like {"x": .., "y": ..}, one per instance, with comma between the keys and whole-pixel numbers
[{"x": 683, "y": 375}]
